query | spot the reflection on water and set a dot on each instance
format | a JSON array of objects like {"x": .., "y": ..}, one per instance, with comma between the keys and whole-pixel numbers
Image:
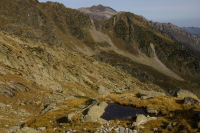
[{"x": 120, "y": 112}]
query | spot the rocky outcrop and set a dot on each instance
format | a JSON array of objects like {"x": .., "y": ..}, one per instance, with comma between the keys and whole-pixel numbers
[
  {"x": 191, "y": 101},
  {"x": 142, "y": 119},
  {"x": 11, "y": 88},
  {"x": 95, "y": 112},
  {"x": 124, "y": 130},
  {"x": 185, "y": 94}
]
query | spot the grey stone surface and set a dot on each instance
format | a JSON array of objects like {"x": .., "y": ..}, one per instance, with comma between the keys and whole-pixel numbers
[
  {"x": 95, "y": 112},
  {"x": 123, "y": 130}
]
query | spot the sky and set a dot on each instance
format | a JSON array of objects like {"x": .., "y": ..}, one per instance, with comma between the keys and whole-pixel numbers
[{"x": 184, "y": 13}]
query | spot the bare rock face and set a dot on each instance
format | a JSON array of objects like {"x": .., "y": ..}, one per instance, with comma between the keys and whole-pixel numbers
[{"x": 99, "y": 12}]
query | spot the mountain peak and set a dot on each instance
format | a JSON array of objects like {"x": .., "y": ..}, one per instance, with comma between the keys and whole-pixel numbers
[
  {"x": 99, "y": 12},
  {"x": 101, "y": 8}
]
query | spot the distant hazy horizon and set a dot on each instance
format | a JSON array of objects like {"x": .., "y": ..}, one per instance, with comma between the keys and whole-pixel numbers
[{"x": 184, "y": 13}]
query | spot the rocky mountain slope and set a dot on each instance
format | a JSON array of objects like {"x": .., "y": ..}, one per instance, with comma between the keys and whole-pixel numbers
[
  {"x": 178, "y": 34},
  {"x": 33, "y": 74},
  {"x": 192, "y": 30},
  {"x": 60, "y": 70}
]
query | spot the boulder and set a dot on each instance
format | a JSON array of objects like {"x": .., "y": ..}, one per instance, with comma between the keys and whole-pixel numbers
[
  {"x": 13, "y": 129},
  {"x": 70, "y": 116},
  {"x": 41, "y": 128},
  {"x": 2, "y": 106},
  {"x": 124, "y": 130},
  {"x": 184, "y": 94},
  {"x": 95, "y": 112},
  {"x": 102, "y": 90},
  {"x": 190, "y": 101},
  {"x": 27, "y": 130},
  {"x": 142, "y": 119}
]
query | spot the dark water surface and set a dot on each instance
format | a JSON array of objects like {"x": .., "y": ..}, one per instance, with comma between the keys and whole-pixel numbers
[{"x": 120, "y": 112}]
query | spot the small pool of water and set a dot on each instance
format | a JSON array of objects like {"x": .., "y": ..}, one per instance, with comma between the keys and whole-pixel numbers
[{"x": 120, "y": 112}]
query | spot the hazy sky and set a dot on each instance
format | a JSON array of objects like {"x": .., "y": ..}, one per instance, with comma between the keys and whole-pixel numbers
[{"x": 179, "y": 12}]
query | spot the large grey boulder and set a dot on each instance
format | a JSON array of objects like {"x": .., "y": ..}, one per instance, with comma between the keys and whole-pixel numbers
[{"x": 95, "y": 112}]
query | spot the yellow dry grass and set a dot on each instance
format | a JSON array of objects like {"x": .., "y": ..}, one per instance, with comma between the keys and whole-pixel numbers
[
  {"x": 170, "y": 108},
  {"x": 49, "y": 120}
]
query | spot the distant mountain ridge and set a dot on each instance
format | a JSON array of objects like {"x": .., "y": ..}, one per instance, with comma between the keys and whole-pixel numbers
[
  {"x": 192, "y": 30},
  {"x": 186, "y": 35},
  {"x": 99, "y": 12},
  {"x": 178, "y": 34}
]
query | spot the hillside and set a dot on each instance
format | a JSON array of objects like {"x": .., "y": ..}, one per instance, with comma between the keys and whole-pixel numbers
[
  {"x": 146, "y": 46},
  {"x": 34, "y": 74},
  {"x": 61, "y": 69},
  {"x": 178, "y": 34}
]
